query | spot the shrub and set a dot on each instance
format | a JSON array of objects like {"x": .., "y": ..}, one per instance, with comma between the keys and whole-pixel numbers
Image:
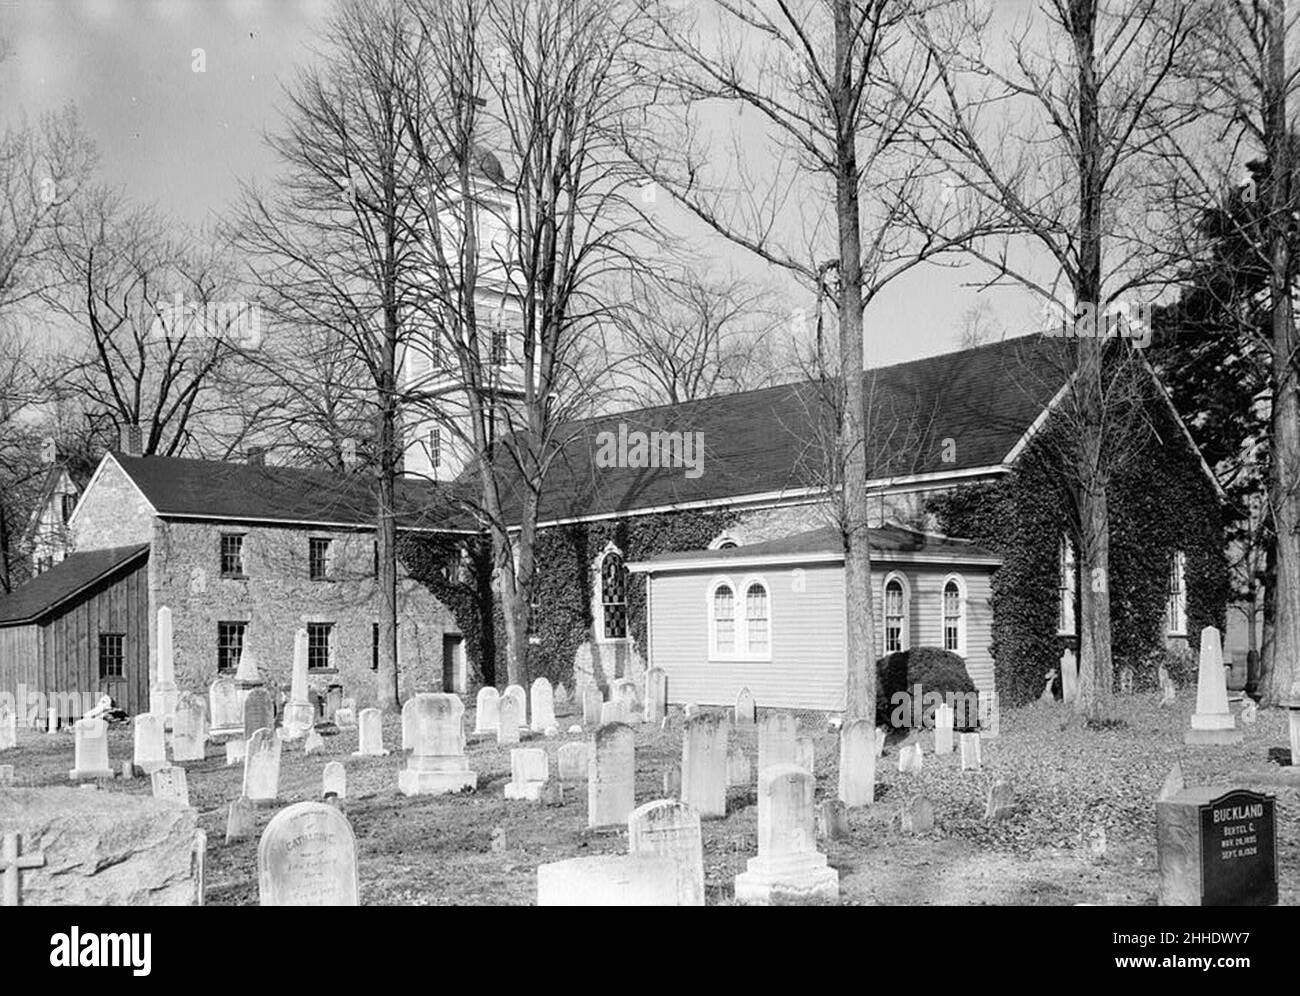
[{"x": 935, "y": 670}]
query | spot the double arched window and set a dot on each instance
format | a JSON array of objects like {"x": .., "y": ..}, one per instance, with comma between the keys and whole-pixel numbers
[{"x": 740, "y": 620}]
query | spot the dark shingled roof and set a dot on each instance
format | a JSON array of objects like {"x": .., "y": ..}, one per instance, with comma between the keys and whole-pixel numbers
[
  {"x": 826, "y": 539},
  {"x": 181, "y": 487},
  {"x": 983, "y": 400},
  {"x": 76, "y": 572}
]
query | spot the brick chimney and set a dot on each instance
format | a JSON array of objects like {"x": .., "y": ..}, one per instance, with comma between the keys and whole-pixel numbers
[
  {"x": 130, "y": 441},
  {"x": 256, "y": 456}
]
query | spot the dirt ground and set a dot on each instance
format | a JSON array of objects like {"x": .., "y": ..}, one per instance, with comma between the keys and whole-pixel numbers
[{"x": 1072, "y": 788}]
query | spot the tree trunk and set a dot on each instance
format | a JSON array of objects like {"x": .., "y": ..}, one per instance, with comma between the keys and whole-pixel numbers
[
  {"x": 1096, "y": 668},
  {"x": 860, "y": 687},
  {"x": 386, "y": 576}
]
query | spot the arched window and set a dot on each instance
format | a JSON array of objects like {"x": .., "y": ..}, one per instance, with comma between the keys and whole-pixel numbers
[
  {"x": 954, "y": 615},
  {"x": 722, "y": 620},
  {"x": 613, "y": 595},
  {"x": 895, "y": 613},
  {"x": 1066, "y": 588},
  {"x": 1176, "y": 609},
  {"x": 725, "y": 541},
  {"x": 758, "y": 640}
]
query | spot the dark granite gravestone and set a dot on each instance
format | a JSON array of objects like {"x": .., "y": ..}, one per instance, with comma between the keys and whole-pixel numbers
[{"x": 1217, "y": 850}]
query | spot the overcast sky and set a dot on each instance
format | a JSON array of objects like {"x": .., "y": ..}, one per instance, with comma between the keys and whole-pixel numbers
[{"x": 183, "y": 139}]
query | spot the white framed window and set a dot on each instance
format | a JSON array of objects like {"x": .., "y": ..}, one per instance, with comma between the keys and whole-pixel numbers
[
  {"x": 611, "y": 594},
  {"x": 758, "y": 620},
  {"x": 1176, "y": 607},
  {"x": 740, "y": 619},
  {"x": 722, "y": 620},
  {"x": 1067, "y": 582},
  {"x": 897, "y": 598},
  {"x": 954, "y": 614}
]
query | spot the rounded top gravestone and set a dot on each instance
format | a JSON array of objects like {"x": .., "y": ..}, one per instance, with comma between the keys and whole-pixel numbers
[{"x": 308, "y": 857}]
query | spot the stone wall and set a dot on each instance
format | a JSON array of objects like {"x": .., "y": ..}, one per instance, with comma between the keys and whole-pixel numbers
[{"x": 112, "y": 513}]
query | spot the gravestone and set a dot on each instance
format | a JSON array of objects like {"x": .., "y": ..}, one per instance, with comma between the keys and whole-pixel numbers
[
  {"x": 1047, "y": 696},
  {"x": 8, "y": 727},
  {"x": 746, "y": 713},
  {"x": 592, "y": 704},
  {"x": 308, "y": 857},
  {"x": 881, "y": 736},
  {"x": 163, "y": 692},
  {"x": 788, "y": 869},
  {"x": 226, "y": 710},
  {"x": 777, "y": 735},
  {"x": 345, "y": 717},
  {"x": 611, "y": 776},
  {"x": 623, "y": 691},
  {"x": 571, "y": 762},
  {"x": 1069, "y": 676},
  {"x": 832, "y": 820},
  {"x": 705, "y": 764},
  {"x": 334, "y": 781},
  {"x": 1001, "y": 801},
  {"x": 486, "y": 707},
  {"x": 189, "y": 729},
  {"x": 670, "y": 829},
  {"x": 917, "y": 815},
  {"x": 1168, "y": 690},
  {"x": 673, "y": 782},
  {"x": 990, "y": 715},
  {"x": 90, "y": 750},
  {"x": 529, "y": 770},
  {"x": 805, "y": 753},
  {"x": 656, "y": 695},
  {"x": 1217, "y": 850},
  {"x": 1212, "y": 723},
  {"x": 370, "y": 734},
  {"x": 542, "y": 706},
  {"x": 258, "y": 712},
  {"x": 857, "y": 776},
  {"x": 150, "y": 749},
  {"x": 612, "y": 712},
  {"x": 1249, "y": 712},
  {"x": 1173, "y": 783},
  {"x": 1126, "y": 680},
  {"x": 262, "y": 768},
  {"x": 170, "y": 784},
  {"x": 241, "y": 820},
  {"x": 608, "y": 880},
  {"x": 740, "y": 773},
  {"x": 943, "y": 720},
  {"x": 236, "y": 751},
  {"x": 313, "y": 743},
  {"x": 561, "y": 697},
  {"x": 509, "y": 716},
  {"x": 970, "y": 752},
  {"x": 299, "y": 714},
  {"x": 910, "y": 760},
  {"x": 517, "y": 693},
  {"x": 433, "y": 724}
]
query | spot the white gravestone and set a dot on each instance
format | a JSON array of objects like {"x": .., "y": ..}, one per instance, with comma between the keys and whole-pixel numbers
[
  {"x": 509, "y": 716},
  {"x": 592, "y": 704},
  {"x": 970, "y": 752},
  {"x": 517, "y": 693},
  {"x": 90, "y": 750},
  {"x": 370, "y": 734},
  {"x": 572, "y": 761},
  {"x": 670, "y": 829},
  {"x": 612, "y": 712},
  {"x": 611, "y": 776},
  {"x": 529, "y": 770},
  {"x": 308, "y": 857},
  {"x": 189, "y": 729},
  {"x": 163, "y": 691},
  {"x": 334, "y": 781},
  {"x": 608, "y": 880},
  {"x": 740, "y": 773},
  {"x": 943, "y": 720},
  {"x": 8, "y": 727},
  {"x": 486, "y": 708},
  {"x": 171, "y": 784},
  {"x": 262, "y": 768},
  {"x": 857, "y": 775},
  {"x": 433, "y": 723},
  {"x": 777, "y": 735},
  {"x": 345, "y": 717},
  {"x": 1212, "y": 723},
  {"x": 226, "y": 710},
  {"x": 745, "y": 709},
  {"x": 704, "y": 764},
  {"x": 910, "y": 760},
  {"x": 656, "y": 695},
  {"x": 789, "y": 869},
  {"x": 542, "y": 706},
  {"x": 623, "y": 691},
  {"x": 1069, "y": 676},
  {"x": 150, "y": 749},
  {"x": 259, "y": 714},
  {"x": 299, "y": 714},
  {"x": 805, "y": 753}
]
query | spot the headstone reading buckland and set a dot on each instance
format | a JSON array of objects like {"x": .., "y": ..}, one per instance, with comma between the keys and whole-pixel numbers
[
  {"x": 592, "y": 703},
  {"x": 150, "y": 748},
  {"x": 542, "y": 706},
  {"x": 433, "y": 724},
  {"x": 529, "y": 770},
  {"x": 670, "y": 829},
  {"x": 611, "y": 777},
  {"x": 189, "y": 729},
  {"x": 1212, "y": 723},
  {"x": 308, "y": 857},
  {"x": 262, "y": 768},
  {"x": 857, "y": 782},
  {"x": 1217, "y": 850},
  {"x": 334, "y": 781},
  {"x": 746, "y": 712},
  {"x": 789, "y": 869},
  {"x": 705, "y": 764},
  {"x": 571, "y": 762},
  {"x": 777, "y": 735},
  {"x": 370, "y": 734},
  {"x": 656, "y": 695},
  {"x": 90, "y": 750}
]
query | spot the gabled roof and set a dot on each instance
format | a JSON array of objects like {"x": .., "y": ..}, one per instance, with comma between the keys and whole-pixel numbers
[
  {"x": 54, "y": 476},
  {"x": 948, "y": 417},
  {"x": 889, "y": 543},
  {"x": 177, "y": 487},
  {"x": 62, "y": 582}
]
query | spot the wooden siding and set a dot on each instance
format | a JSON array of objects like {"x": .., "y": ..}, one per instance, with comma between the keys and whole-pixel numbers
[
  {"x": 808, "y": 633},
  {"x": 59, "y": 655}
]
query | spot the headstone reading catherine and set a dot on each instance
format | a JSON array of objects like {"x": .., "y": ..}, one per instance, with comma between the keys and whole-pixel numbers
[
  {"x": 171, "y": 784},
  {"x": 910, "y": 760},
  {"x": 509, "y": 716},
  {"x": 571, "y": 762},
  {"x": 258, "y": 712},
  {"x": 308, "y": 857},
  {"x": 788, "y": 869},
  {"x": 746, "y": 713},
  {"x": 150, "y": 748},
  {"x": 90, "y": 750},
  {"x": 520, "y": 696},
  {"x": 262, "y": 768},
  {"x": 542, "y": 706},
  {"x": 1217, "y": 850},
  {"x": 740, "y": 772},
  {"x": 592, "y": 703},
  {"x": 857, "y": 781},
  {"x": 1212, "y": 723},
  {"x": 670, "y": 829},
  {"x": 943, "y": 720},
  {"x": 162, "y": 690},
  {"x": 434, "y": 724},
  {"x": 611, "y": 776},
  {"x": 656, "y": 695},
  {"x": 226, "y": 710},
  {"x": 529, "y": 770},
  {"x": 970, "y": 752},
  {"x": 486, "y": 706},
  {"x": 299, "y": 714},
  {"x": 704, "y": 764},
  {"x": 334, "y": 781},
  {"x": 189, "y": 729},
  {"x": 370, "y": 734},
  {"x": 777, "y": 735}
]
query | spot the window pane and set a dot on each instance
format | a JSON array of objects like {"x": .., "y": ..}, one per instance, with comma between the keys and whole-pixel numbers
[
  {"x": 724, "y": 619},
  {"x": 319, "y": 637},
  {"x": 613, "y": 596},
  {"x": 230, "y": 644},
  {"x": 893, "y": 617},
  {"x": 112, "y": 655},
  {"x": 756, "y": 618}
]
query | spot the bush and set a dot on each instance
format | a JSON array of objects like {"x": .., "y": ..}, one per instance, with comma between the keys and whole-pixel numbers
[{"x": 938, "y": 671}]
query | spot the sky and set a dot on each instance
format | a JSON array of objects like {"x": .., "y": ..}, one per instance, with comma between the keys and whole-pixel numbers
[{"x": 183, "y": 138}]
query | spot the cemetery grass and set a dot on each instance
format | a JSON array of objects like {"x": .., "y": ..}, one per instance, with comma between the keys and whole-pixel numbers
[{"x": 1072, "y": 786}]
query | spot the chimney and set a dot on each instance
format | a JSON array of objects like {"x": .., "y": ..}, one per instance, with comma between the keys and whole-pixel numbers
[
  {"x": 130, "y": 441},
  {"x": 256, "y": 456}
]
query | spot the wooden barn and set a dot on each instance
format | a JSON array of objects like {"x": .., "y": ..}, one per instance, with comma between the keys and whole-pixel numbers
[{"x": 78, "y": 631}]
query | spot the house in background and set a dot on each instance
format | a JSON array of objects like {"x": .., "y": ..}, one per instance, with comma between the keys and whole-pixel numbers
[
  {"x": 47, "y": 540},
  {"x": 770, "y": 617}
]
